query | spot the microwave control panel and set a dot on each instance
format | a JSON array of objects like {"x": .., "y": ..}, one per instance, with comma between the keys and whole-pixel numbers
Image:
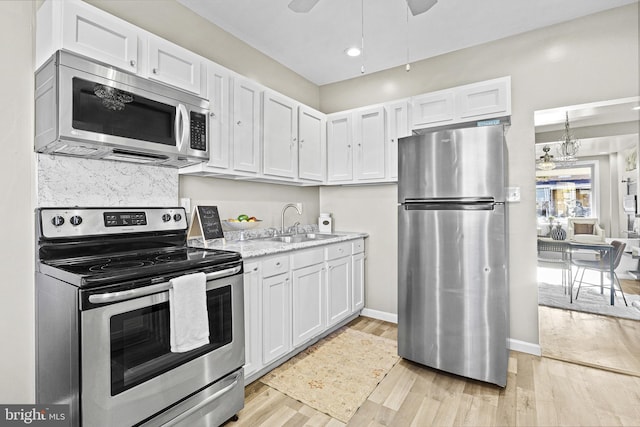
[{"x": 198, "y": 131}]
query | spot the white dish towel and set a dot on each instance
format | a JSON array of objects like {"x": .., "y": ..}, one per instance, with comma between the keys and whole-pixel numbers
[{"x": 188, "y": 312}]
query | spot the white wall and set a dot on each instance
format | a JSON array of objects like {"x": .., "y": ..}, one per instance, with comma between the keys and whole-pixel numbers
[
  {"x": 590, "y": 59},
  {"x": 17, "y": 193},
  {"x": 264, "y": 201}
]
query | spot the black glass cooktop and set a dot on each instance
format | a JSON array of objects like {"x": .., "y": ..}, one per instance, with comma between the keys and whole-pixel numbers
[{"x": 130, "y": 265}]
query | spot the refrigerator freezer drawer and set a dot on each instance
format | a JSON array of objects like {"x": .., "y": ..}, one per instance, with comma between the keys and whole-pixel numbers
[{"x": 452, "y": 291}]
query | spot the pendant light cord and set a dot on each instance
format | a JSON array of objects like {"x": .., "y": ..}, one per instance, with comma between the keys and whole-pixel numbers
[
  {"x": 362, "y": 35},
  {"x": 408, "y": 65}
]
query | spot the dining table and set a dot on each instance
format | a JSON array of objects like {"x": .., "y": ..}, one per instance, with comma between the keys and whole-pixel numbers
[{"x": 569, "y": 247}]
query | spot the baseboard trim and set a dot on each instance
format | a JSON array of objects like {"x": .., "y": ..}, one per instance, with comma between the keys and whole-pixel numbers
[
  {"x": 524, "y": 347},
  {"x": 380, "y": 315},
  {"x": 515, "y": 345}
]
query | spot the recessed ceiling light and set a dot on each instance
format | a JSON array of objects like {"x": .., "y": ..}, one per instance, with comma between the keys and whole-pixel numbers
[
  {"x": 353, "y": 51},
  {"x": 636, "y": 108}
]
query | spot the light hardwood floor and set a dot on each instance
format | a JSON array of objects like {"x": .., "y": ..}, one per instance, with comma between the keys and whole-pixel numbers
[
  {"x": 541, "y": 391},
  {"x": 603, "y": 342}
]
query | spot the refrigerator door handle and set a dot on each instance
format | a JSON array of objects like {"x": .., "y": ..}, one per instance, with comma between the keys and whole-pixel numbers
[
  {"x": 449, "y": 206},
  {"x": 464, "y": 200}
]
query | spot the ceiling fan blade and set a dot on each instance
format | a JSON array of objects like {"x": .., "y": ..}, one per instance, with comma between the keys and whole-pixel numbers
[
  {"x": 419, "y": 6},
  {"x": 302, "y": 6}
]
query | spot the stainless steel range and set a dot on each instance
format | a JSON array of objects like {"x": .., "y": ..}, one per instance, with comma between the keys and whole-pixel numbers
[{"x": 103, "y": 320}]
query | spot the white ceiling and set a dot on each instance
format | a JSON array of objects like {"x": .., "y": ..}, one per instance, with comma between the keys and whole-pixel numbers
[
  {"x": 601, "y": 127},
  {"x": 313, "y": 44}
]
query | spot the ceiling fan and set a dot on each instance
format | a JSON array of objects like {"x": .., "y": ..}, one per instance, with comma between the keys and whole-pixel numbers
[{"x": 416, "y": 6}]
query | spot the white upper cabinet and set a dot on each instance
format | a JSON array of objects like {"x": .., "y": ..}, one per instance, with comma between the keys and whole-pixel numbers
[
  {"x": 218, "y": 90},
  {"x": 245, "y": 125},
  {"x": 433, "y": 109},
  {"x": 397, "y": 127},
  {"x": 87, "y": 30},
  {"x": 483, "y": 100},
  {"x": 369, "y": 143},
  {"x": 312, "y": 140},
  {"x": 174, "y": 65},
  {"x": 339, "y": 147},
  {"x": 280, "y": 135}
]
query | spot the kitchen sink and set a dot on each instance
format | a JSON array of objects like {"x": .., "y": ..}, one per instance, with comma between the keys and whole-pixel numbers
[{"x": 298, "y": 238}]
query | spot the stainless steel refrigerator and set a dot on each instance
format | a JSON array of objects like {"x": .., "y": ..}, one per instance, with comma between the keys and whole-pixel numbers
[{"x": 453, "y": 303}]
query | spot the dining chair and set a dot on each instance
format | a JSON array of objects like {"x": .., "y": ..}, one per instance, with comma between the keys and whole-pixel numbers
[{"x": 602, "y": 266}]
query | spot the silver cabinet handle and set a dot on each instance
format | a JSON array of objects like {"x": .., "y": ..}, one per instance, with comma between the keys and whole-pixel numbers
[
  {"x": 133, "y": 63},
  {"x": 153, "y": 289},
  {"x": 154, "y": 71}
]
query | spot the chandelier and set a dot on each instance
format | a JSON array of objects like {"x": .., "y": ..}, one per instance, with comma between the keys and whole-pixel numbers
[
  {"x": 569, "y": 145},
  {"x": 545, "y": 162}
]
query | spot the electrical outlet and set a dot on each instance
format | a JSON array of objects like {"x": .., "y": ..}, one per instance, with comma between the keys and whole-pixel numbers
[
  {"x": 299, "y": 206},
  {"x": 513, "y": 194}
]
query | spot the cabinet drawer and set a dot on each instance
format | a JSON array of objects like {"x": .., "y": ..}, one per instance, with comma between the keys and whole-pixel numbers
[
  {"x": 305, "y": 258},
  {"x": 357, "y": 246},
  {"x": 276, "y": 265},
  {"x": 338, "y": 251}
]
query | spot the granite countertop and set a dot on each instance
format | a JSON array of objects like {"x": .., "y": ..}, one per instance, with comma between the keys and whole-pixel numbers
[{"x": 258, "y": 246}]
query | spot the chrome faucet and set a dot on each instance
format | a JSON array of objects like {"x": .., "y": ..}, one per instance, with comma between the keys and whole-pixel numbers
[{"x": 298, "y": 208}]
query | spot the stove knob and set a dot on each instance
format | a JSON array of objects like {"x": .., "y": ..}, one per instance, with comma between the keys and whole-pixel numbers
[
  {"x": 57, "y": 220},
  {"x": 177, "y": 217},
  {"x": 166, "y": 217},
  {"x": 75, "y": 220}
]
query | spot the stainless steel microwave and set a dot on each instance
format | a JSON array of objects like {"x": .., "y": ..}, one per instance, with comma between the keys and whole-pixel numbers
[{"x": 88, "y": 109}]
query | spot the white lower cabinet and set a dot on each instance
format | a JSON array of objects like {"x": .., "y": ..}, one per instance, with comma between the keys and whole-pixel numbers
[
  {"x": 307, "y": 290},
  {"x": 252, "y": 318},
  {"x": 339, "y": 282},
  {"x": 276, "y": 336},
  {"x": 357, "y": 265},
  {"x": 292, "y": 299},
  {"x": 276, "y": 308}
]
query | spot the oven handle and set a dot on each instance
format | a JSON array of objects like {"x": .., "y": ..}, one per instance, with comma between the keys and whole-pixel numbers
[
  {"x": 153, "y": 289},
  {"x": 205, "y": 402}
]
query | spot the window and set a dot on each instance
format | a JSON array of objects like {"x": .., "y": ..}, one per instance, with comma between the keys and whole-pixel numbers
[{"x": 565, "y": 192}]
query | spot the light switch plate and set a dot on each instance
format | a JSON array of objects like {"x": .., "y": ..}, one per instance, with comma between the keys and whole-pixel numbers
[{"x": 513, "y": 194}]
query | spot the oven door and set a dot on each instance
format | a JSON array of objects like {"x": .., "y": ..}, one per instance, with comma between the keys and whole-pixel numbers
[{"x": 128, "y": 371}]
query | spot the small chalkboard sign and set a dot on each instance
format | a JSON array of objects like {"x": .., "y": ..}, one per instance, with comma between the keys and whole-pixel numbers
[{"x": 205, "y": 222}]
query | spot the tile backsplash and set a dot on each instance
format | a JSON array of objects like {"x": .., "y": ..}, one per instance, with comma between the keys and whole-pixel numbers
[{"x": 69, "y": 181}]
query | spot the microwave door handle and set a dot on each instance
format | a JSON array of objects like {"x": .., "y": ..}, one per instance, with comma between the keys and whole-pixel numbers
[{"x": 182, "y": 126}]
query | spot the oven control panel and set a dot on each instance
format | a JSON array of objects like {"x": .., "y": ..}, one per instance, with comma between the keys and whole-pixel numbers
[{"x": 78, "y": 222}]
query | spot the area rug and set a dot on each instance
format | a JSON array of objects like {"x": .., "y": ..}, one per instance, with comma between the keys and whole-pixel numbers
[
  {"x": 590, "y": 300},
  {"x": 337, "y": 374}
]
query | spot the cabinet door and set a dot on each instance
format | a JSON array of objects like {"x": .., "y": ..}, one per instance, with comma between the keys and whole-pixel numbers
[
  {"x": 280, "y": 136},
  {"x": 338, "y": 290},
  {"x": 218, "y": 91},
  {"x": 308, "y": 310},
  {"x": 432, "y": 109},
  {"x": 312, "y": 138},
  {"x": 483, "y": 100},
  {"x": 99, "y": 35},
  {"x": 358, "y": 281},
  {"x": 369, "y": 142},
  {"x": 339, "y": 149},
  {"x": 174, "y": 65},
  {"x": 252, "y": 313},
  {"x": 246, "y": 125},
  {"x": 276, "y": 322},
  {"x": 398, "y": 127}
]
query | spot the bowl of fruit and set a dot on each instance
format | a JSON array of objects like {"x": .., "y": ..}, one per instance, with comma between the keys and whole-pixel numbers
[{"x": 242, "y": 222}]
